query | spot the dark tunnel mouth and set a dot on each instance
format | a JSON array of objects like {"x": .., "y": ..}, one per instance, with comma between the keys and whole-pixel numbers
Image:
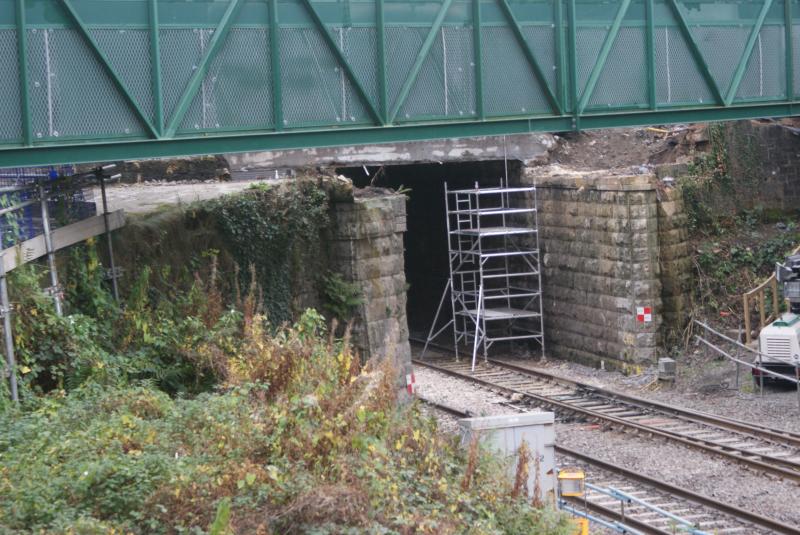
[{"x": 425, "y": 240}]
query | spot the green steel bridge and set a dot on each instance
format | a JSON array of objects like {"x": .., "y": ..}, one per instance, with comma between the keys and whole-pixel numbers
[{"x": 96, "y": 80}]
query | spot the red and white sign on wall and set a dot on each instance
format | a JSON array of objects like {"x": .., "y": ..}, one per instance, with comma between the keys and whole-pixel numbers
[
  {"x": 644, "y": 314},
  {"x": 411, "y": 384}
]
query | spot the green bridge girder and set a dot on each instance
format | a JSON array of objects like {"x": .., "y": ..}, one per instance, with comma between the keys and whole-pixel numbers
[{"x": 96, "y": 80}]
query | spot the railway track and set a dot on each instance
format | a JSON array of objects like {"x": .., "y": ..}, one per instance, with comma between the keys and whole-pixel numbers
[
  {"x": 707, "y": 514},
  {"x": 757, "y": 447}
]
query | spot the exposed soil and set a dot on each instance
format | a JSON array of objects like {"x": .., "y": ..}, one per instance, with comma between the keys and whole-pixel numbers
[{"x": 627, "y": 147}]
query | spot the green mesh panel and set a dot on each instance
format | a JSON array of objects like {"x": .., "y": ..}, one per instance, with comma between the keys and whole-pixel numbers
[
  {"x": 460, "y": 69},
  {"x": 359, "y": 49},
  {"x": 722, "y": 48},
  {"x": 402, "y": 45},
  {"x": 427, "y": 97},
  {"x": 588, "y": 41},
  {"x": 541, "y": 39},
  {"x": 594, "y": 23},
  {"x": 445, "y": 86},
  {"x": 623, "y": 80},
  {"x": 237, "y": 89},
  {"x": 181, "y": 51},
  {"x": 796, "y": 56},
  {"x": 10, "y": 116},
  {"x": 314, "y": 87},
  {"x": 128, "y": 52},
  {"x": 510, "y": 86},
  {"x": 765, "y": 75},
  {"x": 678, "y": 79},
  {"x": 70, "y": 93}
]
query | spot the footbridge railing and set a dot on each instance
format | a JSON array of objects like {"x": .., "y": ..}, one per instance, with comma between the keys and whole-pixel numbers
[{"x": 90, "y": 80}]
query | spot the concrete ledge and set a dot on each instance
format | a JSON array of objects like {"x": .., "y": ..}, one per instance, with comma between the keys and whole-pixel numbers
[
  {"x": 555, "y": 176},
  {"x": 528, "y": 148}
]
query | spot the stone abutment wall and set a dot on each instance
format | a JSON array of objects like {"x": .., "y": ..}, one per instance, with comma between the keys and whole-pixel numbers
[
  {"x": 368, "y": 251},
  {"x": 603, "y": 264}
]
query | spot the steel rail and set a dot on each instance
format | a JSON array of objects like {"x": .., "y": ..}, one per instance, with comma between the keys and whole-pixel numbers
[
  {"x": 700, "y": 499},
  {"x": 716, "y": 449},
  {"x": 787, "y": 438},
  {"x": 758, "y": 431}
]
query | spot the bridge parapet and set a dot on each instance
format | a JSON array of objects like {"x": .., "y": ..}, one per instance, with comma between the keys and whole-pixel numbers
[{"x": 96, "y": 80}]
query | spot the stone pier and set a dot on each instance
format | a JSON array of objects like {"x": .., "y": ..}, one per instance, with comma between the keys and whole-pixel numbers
[
  {"x": 605, "y": 297},
  {"x": 368, "y": 251}
]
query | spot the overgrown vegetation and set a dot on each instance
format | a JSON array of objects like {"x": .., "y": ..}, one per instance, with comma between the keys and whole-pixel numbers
[
  {"x": 707, "y": 181},
  {"x": 736, "y": 241},
  {"x": 280, "y": 230},
  {"x": 279, "y": 234},
  {"x": 187, "y": 412}
]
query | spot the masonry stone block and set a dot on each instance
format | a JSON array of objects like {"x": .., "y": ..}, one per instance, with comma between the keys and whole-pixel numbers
[
  {"x": 600, "y": 238},
  {"x": 368, "y": 251}
]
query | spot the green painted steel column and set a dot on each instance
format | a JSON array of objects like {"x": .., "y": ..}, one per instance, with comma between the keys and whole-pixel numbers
[
  {"x": 789, "y": 39},
  {"x": 380, "y": 25},
  {"x": 220, "y": 34},
  {"x": 561, "y": 70},
  {"x": 650, "y": 16},
  {"x": 573, "y": 63},
  {"x": 477, "y": 54},
  {"x": 605, "y": 50},
  {"x": 22, "y": 57},
  {"x": 155, "y": 66},
  {"x": 748, "y": 50},
  {"x": 275, "y": 64}
]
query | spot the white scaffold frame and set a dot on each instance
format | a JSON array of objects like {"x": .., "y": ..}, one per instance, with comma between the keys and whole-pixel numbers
[{"x": 495, "y": 277}]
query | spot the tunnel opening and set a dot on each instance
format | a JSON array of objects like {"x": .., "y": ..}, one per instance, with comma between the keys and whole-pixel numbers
[{"x": 425, "y": 241}]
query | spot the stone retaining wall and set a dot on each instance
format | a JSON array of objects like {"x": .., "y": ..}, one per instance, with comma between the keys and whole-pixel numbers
[
  {"x": 763, "y": 161},
  {"x": 675, "y": 263},
  {"x": 367, "y": 249},
  {"x": 601, "y": 260}
]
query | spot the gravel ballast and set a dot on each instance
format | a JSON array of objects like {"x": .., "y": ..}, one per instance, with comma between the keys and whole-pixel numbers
[{"x": 693, "y": 470}]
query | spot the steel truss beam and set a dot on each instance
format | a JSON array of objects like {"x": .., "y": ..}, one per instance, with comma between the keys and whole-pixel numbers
[
  {"x": 298, "y": 139},
  {"x": 567, "y": 106}
]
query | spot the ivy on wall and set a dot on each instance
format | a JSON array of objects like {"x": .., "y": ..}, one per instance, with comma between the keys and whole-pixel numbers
[{"x": 280, "y": 234}]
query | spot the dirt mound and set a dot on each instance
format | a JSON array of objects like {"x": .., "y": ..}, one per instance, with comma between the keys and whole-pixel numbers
[{"x": 629, "y": 147}]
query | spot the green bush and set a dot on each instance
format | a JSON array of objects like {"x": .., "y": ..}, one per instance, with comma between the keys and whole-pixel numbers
[
  {"x": 299, "y": 439},
  {"x": 179, "y": 412}
]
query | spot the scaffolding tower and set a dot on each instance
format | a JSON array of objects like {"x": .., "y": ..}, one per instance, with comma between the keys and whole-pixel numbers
[{"x": 495, "y": 281}]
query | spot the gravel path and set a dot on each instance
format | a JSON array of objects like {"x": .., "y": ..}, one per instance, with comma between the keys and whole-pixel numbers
[{"x": 673, "y": 463}]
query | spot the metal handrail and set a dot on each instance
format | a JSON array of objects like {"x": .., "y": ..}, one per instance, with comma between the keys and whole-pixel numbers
[
  {"x": 764, "y": 319},
  {"x": 624, "y": 497},
  {"x": 759, "y": 355},
  {"x": 619, "y": 527},
  {"x": 756, "y": 352}
]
